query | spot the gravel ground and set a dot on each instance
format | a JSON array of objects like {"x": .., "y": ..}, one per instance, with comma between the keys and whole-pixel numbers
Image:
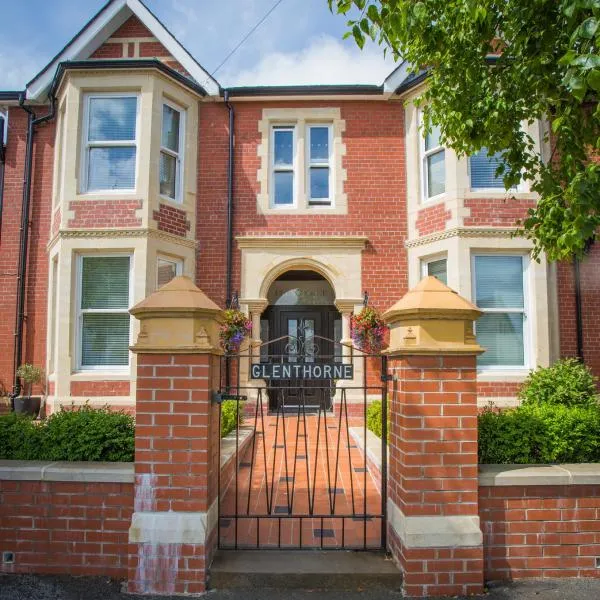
[{"x": 33, "y": 587}]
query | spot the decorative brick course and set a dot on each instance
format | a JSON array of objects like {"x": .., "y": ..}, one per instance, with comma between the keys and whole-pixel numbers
[
  {"x": 95, "y": 214},
  {"x": 540, "y": 531},
  {"x": 432, "y": 219},
  {"x": 172, "y": 220},
  {"x": 72, "y": 528}
]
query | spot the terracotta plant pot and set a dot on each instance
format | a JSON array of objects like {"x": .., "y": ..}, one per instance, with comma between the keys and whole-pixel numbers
[{"x": 28, "y": 405}]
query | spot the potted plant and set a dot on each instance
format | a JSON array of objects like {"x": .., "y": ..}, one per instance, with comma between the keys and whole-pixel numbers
[
  {"x": 236, "y": 326},
  {"x": 26, "y": 403},
  {"x": 368, "y": 330}
]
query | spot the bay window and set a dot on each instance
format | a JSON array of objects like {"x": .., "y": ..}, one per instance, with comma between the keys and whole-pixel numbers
[
  {"x": 437, "y": 268},
  {"x": 103, "y": 311},
  {"x": 433, "y": 160},
  {"x": 171, "y": 153},
  {"x": 110, "y": 142},
  {"x": 500, "y": 292},
  {"x": 319, "y": 168},
  {"x": 483, "y": 168},
  {"x": 167, "y": 269}
]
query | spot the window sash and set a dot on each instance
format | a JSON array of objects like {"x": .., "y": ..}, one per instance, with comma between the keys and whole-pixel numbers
[
  {"x": 283, "y": 167},
  {"x": 173, "y": 262},
  {"x": 89, "y": 144},
  {"x": 483, "y": 166},
  {"x": 82, "y": 312},
  {"x": 426, "y": 154},
  {"x": 437, "y": 267},
  {"x": 175, "y": 154},
  {"x": 523, "y": 334},
  {"x": 318, "y": 165}
]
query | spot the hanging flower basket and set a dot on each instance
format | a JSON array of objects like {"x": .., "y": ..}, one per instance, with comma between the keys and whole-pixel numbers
[
  {"x": 236, "y": 326},
  {"x": 368, "y": 330}
]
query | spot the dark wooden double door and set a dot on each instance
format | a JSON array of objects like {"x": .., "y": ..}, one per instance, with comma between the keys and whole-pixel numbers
[{"x": 302, "y": 335}]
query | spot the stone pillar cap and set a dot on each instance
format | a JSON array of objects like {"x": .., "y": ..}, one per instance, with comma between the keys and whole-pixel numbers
[
  {"x": 431, "y": 299},
  {"x": 180, "y": 295}
]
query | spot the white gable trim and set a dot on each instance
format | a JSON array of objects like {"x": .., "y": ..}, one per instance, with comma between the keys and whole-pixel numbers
[{"x": 100, "y": 29}]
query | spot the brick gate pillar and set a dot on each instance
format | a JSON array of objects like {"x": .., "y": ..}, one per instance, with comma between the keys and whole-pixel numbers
[
  {"x": 433, "y": 522},
  {"x": 173, "y": 530}
]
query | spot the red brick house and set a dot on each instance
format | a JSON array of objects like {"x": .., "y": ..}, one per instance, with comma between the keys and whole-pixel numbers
[{"x": 125, "y": 163}]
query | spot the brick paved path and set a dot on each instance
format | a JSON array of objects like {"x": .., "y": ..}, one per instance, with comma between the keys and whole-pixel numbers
[{"x": 299, "y": 463}]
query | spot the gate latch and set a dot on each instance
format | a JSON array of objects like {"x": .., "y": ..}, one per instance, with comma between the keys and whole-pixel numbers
[{"x": 220, "y": 397}]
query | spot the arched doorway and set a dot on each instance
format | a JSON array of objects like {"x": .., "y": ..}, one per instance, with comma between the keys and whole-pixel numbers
[{"x": 301, "y": 324}]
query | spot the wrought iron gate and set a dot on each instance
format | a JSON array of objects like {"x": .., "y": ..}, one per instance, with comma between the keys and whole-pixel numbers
[{"x": 297, "y": 473}]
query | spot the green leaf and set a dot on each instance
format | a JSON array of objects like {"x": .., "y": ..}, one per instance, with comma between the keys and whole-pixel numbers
[
  {"x": 593, "y": 79},
  {"x": 359, "y": 38},
  {"x": 587, "y": 61},
  {"x": 588, "y": 28}
]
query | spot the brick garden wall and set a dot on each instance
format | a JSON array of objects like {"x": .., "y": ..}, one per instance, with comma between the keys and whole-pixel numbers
[
  {"x": 66, "y": 527},
  {"x": 540, "y": 531}
]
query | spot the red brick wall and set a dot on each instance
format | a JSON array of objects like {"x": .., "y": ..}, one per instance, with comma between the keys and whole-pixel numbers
[
  {"x": 432, "y": 219},
  {"x": 34, "y": 347},
  {"x": 540, "y": 531},
  {"x": 100, "y": 388},
  {"x": 109, "y": 51},
  {"x": 72, "y": 528},
  {"x": 93, "y": 214},
  {"x": 590, "y": 304},
  {"x": 497, "y": 389},
  {"x": 497, "y": 212},
  {"x": 375, "y": 186},
  {"x": 172, "y": 220},
  {"x": 133, "y": 28}
]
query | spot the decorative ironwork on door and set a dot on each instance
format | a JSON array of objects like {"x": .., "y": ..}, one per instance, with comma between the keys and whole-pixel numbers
[{"x": 298, "y": 474}]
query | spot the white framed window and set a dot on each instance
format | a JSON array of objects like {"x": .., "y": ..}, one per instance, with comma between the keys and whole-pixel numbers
[
  {"x": 500, "y": 291},
  {"x": 110, "y": 140},
  {"x": 436, "y": 267},
  {"x": 319, "y": 184},
  {"x": 167, "y": 268},
  {"x": 283, "y": 166},
  {"x": 3, "y": 127},
  {"x": 172, "y": 146},
  {"x": 482, "y": 171},
  {"x": 433, "y": 164},
  {"x": 103, "y": 320}
]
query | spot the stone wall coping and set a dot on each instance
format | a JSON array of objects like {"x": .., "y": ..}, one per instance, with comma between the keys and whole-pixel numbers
[
  {"x": 85, "y": 472},
  {"x": 505, "y": 475}
]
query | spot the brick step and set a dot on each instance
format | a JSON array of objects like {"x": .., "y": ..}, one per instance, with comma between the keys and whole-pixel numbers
[{"x": 303, "y": 569}]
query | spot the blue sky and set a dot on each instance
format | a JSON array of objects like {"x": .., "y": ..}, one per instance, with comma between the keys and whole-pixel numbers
[{"x": 300, "y": 43}]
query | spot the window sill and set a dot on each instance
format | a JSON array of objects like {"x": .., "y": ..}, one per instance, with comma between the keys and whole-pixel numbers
[
  {"x": 434, "y": 200},
  {"x": 95, "y": 374},
  {"x": 172, "y": 201},
  {"x": 310, "y": 209},
  {"x": 109, "y": 195},
  {"x": 494, "y": 193},
  {"x": 512, "y": 375}
]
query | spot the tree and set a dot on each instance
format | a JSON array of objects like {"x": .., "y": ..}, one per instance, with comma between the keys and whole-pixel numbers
[{"x": 493, "y": 65}]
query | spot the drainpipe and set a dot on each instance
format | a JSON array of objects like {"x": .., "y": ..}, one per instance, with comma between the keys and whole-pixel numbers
[
  {"x": 578, "y": 298},
  {"x": 32, "y": 122},
  {"x": 578, "y": 308},
  {"x": 228, "y": 293},
  {"x": 2, "y": 160},
  {"x": 229, "y": 267}
]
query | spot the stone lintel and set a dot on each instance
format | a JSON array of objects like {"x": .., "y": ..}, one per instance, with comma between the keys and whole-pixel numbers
[
  {"x": 435, "y": 531},
  {"x": 173, "y": 527}
]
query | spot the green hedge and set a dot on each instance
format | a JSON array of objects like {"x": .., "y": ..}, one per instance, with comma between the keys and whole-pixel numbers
[
  {"x": 557, "y": 422},
  {"x": 83, "y": 434},
  {"x": 230, "y": 416}
]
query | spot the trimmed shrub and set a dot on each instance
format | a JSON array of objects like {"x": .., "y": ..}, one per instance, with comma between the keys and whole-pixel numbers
[
  {"x": 532, "y": 434},
  {"x": 567, "y": 382},
  {"x": 231, "y": 417},
  {"x": 83, "y": 434},
  {"x": 374, "y": 417}
]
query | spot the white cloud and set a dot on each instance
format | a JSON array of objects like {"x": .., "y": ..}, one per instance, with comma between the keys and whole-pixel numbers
[
  {"x": 325, "y": 60},
  {"x": 15, "y": 72}
]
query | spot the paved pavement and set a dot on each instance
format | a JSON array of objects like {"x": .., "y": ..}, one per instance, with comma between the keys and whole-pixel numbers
[{"x": 31, "y": 587}]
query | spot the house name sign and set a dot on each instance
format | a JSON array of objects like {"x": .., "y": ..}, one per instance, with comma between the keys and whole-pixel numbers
[{"x": 302, "y": 371}]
